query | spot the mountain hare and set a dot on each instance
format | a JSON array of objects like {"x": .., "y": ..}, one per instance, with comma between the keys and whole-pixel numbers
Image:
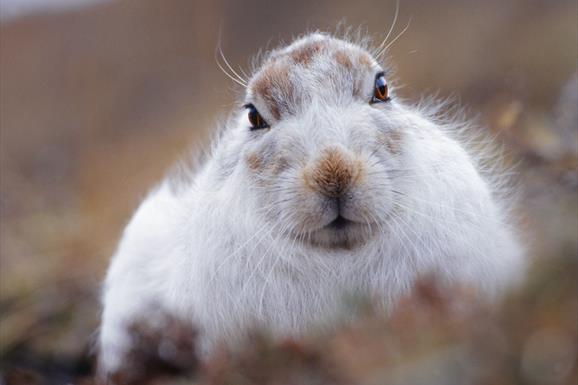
[{"x": 322, "y": 185}]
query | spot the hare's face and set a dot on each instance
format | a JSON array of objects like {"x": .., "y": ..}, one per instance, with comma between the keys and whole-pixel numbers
[{"x": 322, "y": 139}]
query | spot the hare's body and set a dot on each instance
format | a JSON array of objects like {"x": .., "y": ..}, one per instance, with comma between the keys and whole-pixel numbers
[{"x": 334, "y": 196}]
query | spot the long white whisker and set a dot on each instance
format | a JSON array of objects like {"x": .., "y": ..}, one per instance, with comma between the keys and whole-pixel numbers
[
  {"x": 395, "y": 38},
  {"x": 231, "y": 68},
  {"x": 380, "y": 47},
  {"x": 230, "y": 76}
]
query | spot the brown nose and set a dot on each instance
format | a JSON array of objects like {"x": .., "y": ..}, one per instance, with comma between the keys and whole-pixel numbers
[{"x": 333, "y": 173}]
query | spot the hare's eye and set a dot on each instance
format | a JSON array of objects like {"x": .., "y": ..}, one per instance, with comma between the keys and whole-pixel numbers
[
  {"x": 255, "y": 118},
  {"x": 380, "y": 92}
]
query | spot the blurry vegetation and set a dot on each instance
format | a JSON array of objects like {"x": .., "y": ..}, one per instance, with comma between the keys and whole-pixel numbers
[
  {"x": 428, "y": 339},
  {"x": 96, "y": 103},
  {"x": 434, "y": 337}
]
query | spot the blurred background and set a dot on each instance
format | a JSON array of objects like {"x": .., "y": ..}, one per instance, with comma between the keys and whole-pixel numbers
[{"x": 99, "y": 98}]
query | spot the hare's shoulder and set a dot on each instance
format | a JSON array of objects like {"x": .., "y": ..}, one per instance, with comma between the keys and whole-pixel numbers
[{"x": 151, "y": 235}]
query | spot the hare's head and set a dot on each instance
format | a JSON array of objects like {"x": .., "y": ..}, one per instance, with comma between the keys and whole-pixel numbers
[{"x": 319, "y": 139}]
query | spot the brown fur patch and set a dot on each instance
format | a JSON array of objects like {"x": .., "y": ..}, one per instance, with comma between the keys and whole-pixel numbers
[
  {"x": 346, "y": 61},
  {"x": 365, "y": 60},
  {"x": 332, "y": 174},
  {"x": 280, "y": 165},
  {"x": 273, "y": 78},
  {"x": 254, "y": 162},
  {"x": 343, "y": 60},
  {"x": 304, "y": 54}
]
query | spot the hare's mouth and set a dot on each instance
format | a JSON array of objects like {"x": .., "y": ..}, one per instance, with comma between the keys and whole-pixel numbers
[
  {"x": 340, "y": 223},
  {"x": 340, "y": 232}
]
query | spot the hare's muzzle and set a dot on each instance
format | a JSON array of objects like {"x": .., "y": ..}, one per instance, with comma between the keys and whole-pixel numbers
[{"x": 332, "y": 173}]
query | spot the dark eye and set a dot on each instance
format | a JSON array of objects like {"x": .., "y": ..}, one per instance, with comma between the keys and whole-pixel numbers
[
  {"x": 380, "y": 92},
  {"x": 255, "y": 118}
]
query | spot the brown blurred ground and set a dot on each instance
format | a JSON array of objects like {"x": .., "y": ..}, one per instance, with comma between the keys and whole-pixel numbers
[{"x": 95, "y": 104}]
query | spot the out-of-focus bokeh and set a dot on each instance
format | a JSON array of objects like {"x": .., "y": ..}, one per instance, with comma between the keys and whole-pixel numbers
[{"x": 99, "y": 98}]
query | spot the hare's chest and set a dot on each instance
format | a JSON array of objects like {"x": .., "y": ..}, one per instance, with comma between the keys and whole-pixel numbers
[{"x": 273, "y": 295}]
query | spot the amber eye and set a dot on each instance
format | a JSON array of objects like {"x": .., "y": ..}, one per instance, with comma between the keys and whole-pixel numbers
[
  {"x": 380, "y": 93},
  {"x": 255, "y": 118}
]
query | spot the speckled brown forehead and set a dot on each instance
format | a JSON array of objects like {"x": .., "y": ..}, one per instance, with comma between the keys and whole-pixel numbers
[{"x": 290, "y": 76}]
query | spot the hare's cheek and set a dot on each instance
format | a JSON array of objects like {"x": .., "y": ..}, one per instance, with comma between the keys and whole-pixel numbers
[
  {"x": 254, "y": 162},
  {"x": 279, "y": 165},
  {"x": 266, "y": 168},
  {"x": 391, "y": 141}
]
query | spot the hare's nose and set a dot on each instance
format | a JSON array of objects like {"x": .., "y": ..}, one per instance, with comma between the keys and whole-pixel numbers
[{"x": 332, "y": 173}]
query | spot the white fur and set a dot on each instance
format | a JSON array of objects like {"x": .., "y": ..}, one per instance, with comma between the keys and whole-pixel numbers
[{"x": 233, "y": 249}]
